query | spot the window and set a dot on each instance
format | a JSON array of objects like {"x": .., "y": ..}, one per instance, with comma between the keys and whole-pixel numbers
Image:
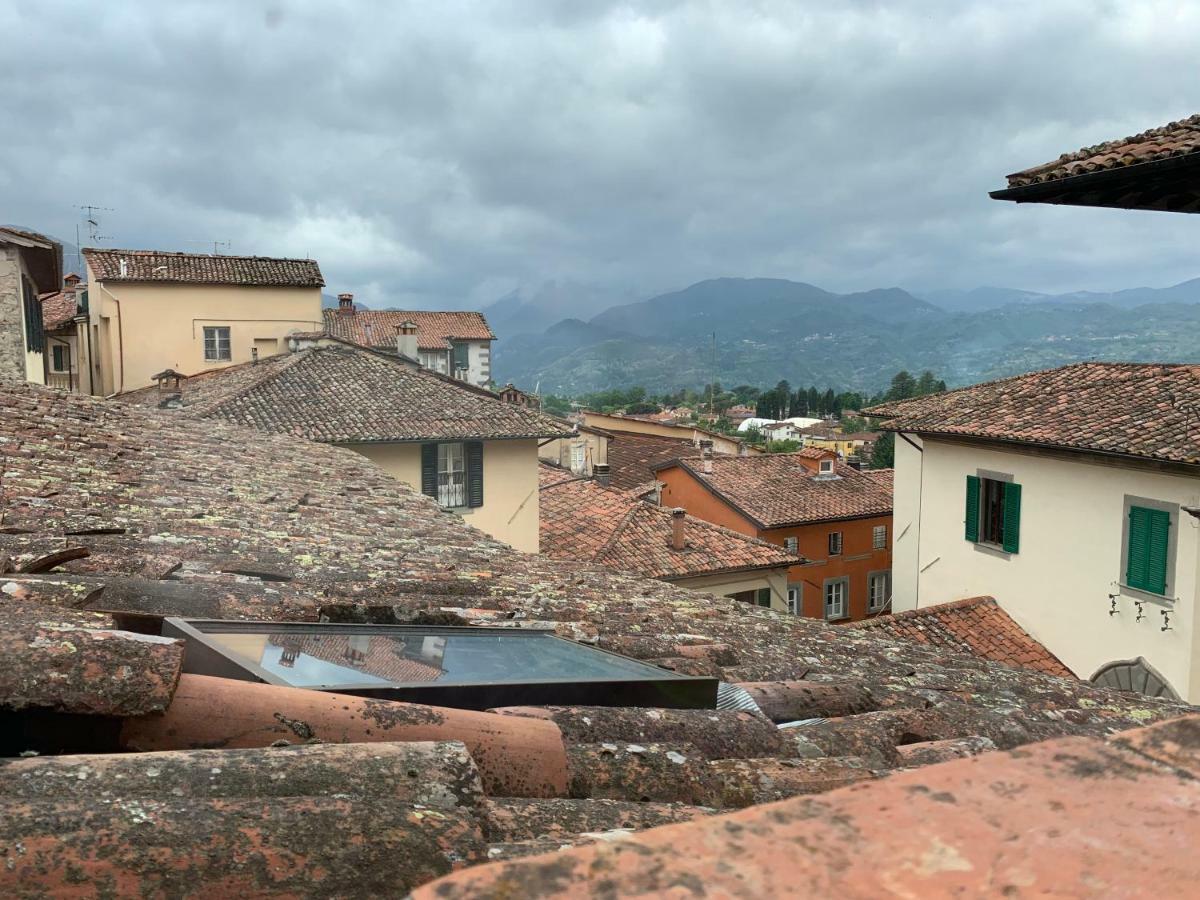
[
  {"x": 1147, "y": 549},
  {"x": 835, "y": 543},
  {"x": 461, "y": 360},
  {"x": 60, "y": 360},
  {"x": 216, "y": 344},
  {"x": 453, "y": 473},
  {"x": 35, "y": 336},
  {"x": 836, "y": 591},
  {"x": 879, "y": 590},
  {"x": 578, "y": 457},
  {"x": 794, "y": 598},
  {"x": 763, "y": 597},
  {"x": 993, "y": 513},
  {"x": 879, "y": 537},
  {"x": 827, "y": 467},
  {"x": 435, "y": 362},
  {"x": 791, "y": 544}
]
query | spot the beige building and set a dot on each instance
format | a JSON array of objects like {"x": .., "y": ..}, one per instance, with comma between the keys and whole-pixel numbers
[
  {"x": 583, "y": 520},
  {"x": 584, "y": 452},
  {"x": 720, "y": 443},
  {"x": 1071, "y": 496},
  {"x": 462, "y": 445},
  {"x": 30, "y": 265},
  {"x": 149, "y": 311}
]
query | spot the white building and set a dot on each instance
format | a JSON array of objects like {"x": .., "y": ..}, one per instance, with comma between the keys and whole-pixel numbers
[{"x": 1072, "y": 496}]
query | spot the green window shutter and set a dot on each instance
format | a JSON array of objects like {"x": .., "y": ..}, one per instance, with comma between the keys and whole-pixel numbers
[
  {"x": 429, "y": 473},
  {"x": 474, "y": 473},
  {"x": 460, "y": 355},
  {"x": 973, "y": 509},
  {"x": 764, "y": 597},
  {"x": 1012, "y": 517},
  {"x": 1149, "y": 540}
]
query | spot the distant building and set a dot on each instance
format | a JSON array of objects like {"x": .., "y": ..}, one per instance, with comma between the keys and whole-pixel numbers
[
  {"x": 462, "y": 445},
  {"x": 510, "y": 393},
  {"x": 457, "y": 343},
  {"x": 843, "y": 444},
  {"x": 584, "y": 452},
  {"x": 739, "y": 414},
  {"x": 64, "y": 320},
  {"x": 617, "y": 424},
  {"x": 837, "y": 518},
  {"x": 582, "y": 520},
  {"x": 1072, "y": 496},
  {"x": 150, "y": 310},
  {"x": 30, "y": 265}
]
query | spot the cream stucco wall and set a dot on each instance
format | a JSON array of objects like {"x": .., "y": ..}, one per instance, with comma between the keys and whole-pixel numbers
[
  {"x": 161, "y": 326},
  {"x": 736, "y": 582},
  {"x": 1070, "y": 559},
  {"x": 721, "y": 443},
  {"x": 510, "y": 485},
  {"x": 558, "y": 451}
]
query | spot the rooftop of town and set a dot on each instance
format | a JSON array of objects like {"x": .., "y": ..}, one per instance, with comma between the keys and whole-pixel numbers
[
  {"x": 165, "y": 267},
  {"x": 435, "y": 330}
]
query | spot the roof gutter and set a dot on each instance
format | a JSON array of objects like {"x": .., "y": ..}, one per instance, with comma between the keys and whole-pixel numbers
[{"x": 1041, "y": 191}]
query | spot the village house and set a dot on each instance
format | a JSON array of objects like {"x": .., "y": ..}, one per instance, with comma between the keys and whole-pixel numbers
[
  {"x": 1080, "y": 520},
  {"x": 583, "y": 520},
  {"x": 843, "y": 444},
  {"x": 618, "y": 425},
  {"x": 457, "y": 343},
  {"x": 462, "y": 445},
  {"x": 585, "y": 452},
  {"x": 837, "y": 518},
  {"x": 63, "y": 311},
  {"x": 127, "y": 531},
  {"x": 151, "y": 310},
  {"x": 30, "y": 265}
]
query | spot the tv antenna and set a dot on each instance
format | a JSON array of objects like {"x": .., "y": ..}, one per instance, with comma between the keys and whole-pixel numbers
[
  {"x": 91, "y": 218},
  {"x": 216, "y": 245}
]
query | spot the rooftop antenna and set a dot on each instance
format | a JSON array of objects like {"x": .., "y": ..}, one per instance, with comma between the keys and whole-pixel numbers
[
  {"x": 216, "y": 245},
  {"x": 91, "y": 217},
  {"x": 712, "y": 379}
]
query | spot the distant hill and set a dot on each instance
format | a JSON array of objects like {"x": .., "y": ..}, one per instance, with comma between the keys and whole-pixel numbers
[
  {"x": 769, "y": 329},
  {"x": 526, "y": 311}
]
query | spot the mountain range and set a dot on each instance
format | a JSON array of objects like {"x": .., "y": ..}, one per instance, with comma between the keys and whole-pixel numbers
[{"x": 769, "y": 329}]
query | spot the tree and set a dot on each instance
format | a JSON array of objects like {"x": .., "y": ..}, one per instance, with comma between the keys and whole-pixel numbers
[
  {"x": 883, "y": 455},
  {"x": 903, "y": 386},
  {"x": 785, "y": 446},
  {"x": 926, "y": 384}
]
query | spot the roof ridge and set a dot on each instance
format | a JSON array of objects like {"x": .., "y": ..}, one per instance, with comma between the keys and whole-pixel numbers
[{"x": 101, "y": 250}]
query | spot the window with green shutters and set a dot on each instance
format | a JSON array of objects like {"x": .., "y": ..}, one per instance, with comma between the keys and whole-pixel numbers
[
  {"x": 993, "y": 513},
  {"x": 1148, "y": 545}
]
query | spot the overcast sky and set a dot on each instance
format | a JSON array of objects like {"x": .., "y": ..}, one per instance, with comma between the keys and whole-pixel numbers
[{"x": 442, "y": 153}]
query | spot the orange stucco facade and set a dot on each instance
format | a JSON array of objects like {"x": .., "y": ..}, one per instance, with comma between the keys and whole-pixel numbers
[{"x": 858, "y": 560}]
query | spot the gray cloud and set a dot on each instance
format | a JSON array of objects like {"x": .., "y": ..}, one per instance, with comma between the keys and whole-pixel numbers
[{"x": 444, "y": 153}]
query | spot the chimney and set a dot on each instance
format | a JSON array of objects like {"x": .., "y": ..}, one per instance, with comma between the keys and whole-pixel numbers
[
  {"x": 706, "y": 456},
  {"x": 70, "y": 282},
  {"x": 254, "y": 356},
  {"x": 601, "y": 474},
  {"x": 678, "y": 528},
  {"x": 406, "y": 339},
  {"x": 345, "y": 304}
]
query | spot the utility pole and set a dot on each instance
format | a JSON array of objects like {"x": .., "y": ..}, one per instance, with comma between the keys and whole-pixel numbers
[{"x": 712, "y": 379}]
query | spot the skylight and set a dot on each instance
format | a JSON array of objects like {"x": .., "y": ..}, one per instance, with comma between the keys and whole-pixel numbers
[{"x": 471, "y": 668}]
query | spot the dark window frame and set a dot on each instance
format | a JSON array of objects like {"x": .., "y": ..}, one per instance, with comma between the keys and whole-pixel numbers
[{"x": 835, "y": 543}]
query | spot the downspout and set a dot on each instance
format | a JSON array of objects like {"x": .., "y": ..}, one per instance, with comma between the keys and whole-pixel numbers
[{"x": 120, "y": 337}]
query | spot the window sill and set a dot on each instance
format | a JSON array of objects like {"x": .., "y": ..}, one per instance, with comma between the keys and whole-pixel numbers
[
  {"x": 1146, "y": 596},
  {"x": 841, "y": 618},
  {"x": 993, "y": 550}
]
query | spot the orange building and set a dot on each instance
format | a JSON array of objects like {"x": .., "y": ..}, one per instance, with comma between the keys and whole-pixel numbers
[{"x": 837, "y": 518}]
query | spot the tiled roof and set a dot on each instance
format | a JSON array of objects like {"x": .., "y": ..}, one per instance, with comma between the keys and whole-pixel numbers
[
  {"x": 58, "y": 309},
  {"x": 776, "y": 489},
  {"x": 225, "y": 522},
  {"x": 885, "y": 477},
  {"x": 343, "y": 393},
  {"x": 162, "y": 267},
  {"x": 1145, "y": 410},
  {"x": 584, "y": 521},
  {"x": 632, "y": 457},
  {"x": 1171, "y": 140},
  {"x": 435, "y": 330},
  {"x": 978, "y": 625}
]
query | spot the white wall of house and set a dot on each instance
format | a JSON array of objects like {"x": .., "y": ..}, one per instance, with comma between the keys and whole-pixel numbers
[
  {"x": 479, "y": 362},
  {"x": 1071, "y": 554}
]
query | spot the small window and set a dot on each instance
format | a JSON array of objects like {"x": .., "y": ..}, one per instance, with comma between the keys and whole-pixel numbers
[
  {"x": 452, "y": 475},
  {"x": 827, "y": 467},
  {"x": 461, "y": 357},
  {"x": 1148, "y": 542},
  {"x": 791, "y": 544},
  {"x": 879, "y": 590},
  {"x": 879, "y": 537},
  {"x": 836, "y": 591},
  {"x": 216, "y": 344},
  {"x": 763, "y": 597},
  {"x": 578, "y": 457},
  {"x": 794, "y": 595},
  {"x": 835, "y": 543},
  {"x": 60, "y": 358},
  {"x": 993, "y": 512}
]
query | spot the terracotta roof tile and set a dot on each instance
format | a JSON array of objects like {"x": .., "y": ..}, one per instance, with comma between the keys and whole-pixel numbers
[
  {"x": 58, "y": 309},
  {"x": 344, "y": 393},
  {"x": 977, "y": 625},
  {"x": 435, "y": 330},
  {"x": 584, "y": 521},
  {"x": 776, "y": 489},
  {"x": 1135, "y": 409},
  {"x": 162, "y": 267},
  {"x": 1173, "y": 139},
  {"x": 632, "y": 457}
]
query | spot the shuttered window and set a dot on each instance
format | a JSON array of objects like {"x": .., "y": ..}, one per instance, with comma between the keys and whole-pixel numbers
[
  {"x": 453, "y": 473},
  {"x": 35, "y": 337},
  {"x": 461, "y": 358},
  {"x": 972, "y": 519},
  {"x": 1148, "y": 541},
  {"x": 993, "y": 513},
  {"x": 763, "y": 597}
]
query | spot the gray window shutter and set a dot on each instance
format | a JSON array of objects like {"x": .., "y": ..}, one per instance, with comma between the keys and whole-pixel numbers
[
  {"x": 429, "y": 473},
  {"x": 474, "y": 473}
]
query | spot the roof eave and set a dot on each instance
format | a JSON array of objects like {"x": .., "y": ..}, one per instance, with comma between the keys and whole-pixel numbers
[{"x": 1139, "y": 186}]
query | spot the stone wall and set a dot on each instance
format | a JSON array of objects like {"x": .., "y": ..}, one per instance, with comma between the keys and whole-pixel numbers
[{"x": 12, "y": 330}]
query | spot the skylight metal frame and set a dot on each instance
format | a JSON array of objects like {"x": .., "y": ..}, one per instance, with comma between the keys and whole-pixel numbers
[{"x": 659, "y": 688}]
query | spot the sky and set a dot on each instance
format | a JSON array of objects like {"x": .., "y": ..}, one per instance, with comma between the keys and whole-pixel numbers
[{"x": 443, "y": 154}]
